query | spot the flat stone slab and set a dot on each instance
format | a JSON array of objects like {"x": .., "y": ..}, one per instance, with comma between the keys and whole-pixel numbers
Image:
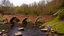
[
  {"x": 18, "y": 33},
  {"x": 21, "y": 28}
]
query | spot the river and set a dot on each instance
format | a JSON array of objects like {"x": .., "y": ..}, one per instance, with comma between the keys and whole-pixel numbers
[{"x": 30, "y": 30}]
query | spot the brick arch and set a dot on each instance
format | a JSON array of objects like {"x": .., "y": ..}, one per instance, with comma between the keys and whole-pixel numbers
[
  {"x": 21, "y": 18},
  {"x": 8, "y": 17},
  {"x": 14, "y": 18},
  {"x": 32, "y": 18},
  {"x": 25, "y": 19},
  {"x": 39, "y": 18}
]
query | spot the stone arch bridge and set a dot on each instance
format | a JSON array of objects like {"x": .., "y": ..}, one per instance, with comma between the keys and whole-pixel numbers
[{"x": 33, "y": 19}]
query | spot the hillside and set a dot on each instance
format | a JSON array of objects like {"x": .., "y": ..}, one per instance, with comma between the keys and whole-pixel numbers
[{"x": 57, "y": 24}]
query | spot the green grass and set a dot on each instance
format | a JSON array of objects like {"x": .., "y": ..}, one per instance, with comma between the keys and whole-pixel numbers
[
  {"x": 40, "y": 20},
  {"x": 1, "y": 18},
  {"x": 51, "y": 22},
  {"x": 4, "y": 27},
  {"x": 28, "y": 20},
  {"x": 60, "y": 26}
]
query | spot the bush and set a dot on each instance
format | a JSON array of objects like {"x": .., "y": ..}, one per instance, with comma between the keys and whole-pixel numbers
[
  {"x": 62, "y": 3},
  {"x": 39, "y": 21},
  {"x": 61, "y": 13}
]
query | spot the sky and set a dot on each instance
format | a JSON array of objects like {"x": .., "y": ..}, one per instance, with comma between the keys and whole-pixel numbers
[{"x": 20, "y": 2}]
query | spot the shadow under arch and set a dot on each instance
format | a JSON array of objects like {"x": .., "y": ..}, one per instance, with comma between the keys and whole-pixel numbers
[
  {"x": 24, "y": 21},
  {"x": 27, "y": 23},
  {"x": 14, "y": 21}
]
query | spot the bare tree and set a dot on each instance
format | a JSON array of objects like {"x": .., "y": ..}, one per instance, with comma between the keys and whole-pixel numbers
[{"x": 6, "y": 3}]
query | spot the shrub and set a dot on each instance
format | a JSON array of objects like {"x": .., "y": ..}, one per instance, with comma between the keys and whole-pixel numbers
[
  {"x": 61, "y": 13},
  {"x": 39, "y": 21}
]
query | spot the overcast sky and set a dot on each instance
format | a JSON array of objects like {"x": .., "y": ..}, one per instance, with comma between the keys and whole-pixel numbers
[{"x": 20, "y": 2}]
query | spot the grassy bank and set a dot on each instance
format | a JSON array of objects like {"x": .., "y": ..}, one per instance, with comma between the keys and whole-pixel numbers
[{"x": 59, "y": 28}]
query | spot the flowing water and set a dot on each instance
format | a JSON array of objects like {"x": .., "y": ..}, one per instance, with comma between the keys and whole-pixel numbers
[{"x": 30, "y": 30}]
